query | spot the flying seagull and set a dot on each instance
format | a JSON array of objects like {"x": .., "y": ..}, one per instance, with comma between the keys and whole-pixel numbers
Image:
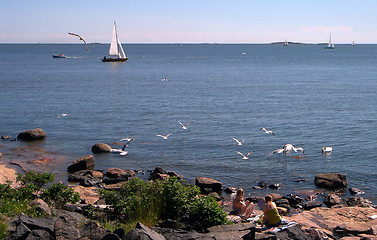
[
  {"x": 64, "y": 115},
  {"x": 74, "y": 34},
  {"x": 164, "y": 137},
  {"x": 267, "y": 131},
  {"x": 239, "y": 142},
  {"x": 286, "y": 149},
  {"x": 123, "y": 150},
  {"x": 184, "y": 126},
  {"x": 245, "y": 156}
]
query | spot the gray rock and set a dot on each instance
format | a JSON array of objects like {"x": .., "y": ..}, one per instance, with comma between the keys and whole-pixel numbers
[
  {"x": 204, "y": 182},
  {"x": 332, "y": 199},
  {"x": 111, "y": 236},
  {"x": 331, "y": 180},
  {"x": 82, "y": 163},
  {"x": 158, "y": 169},
  {"x": 101, "y": 148},
  {"x": 311, "y": 204},
  {"x": 34, "y": 134},
  {"x": 39, "y": 234},
  {"x": 355, "y": 191},
  {"x": 358, "y": 201},
  {"x": 67, "y": 225},
  {"x": 142, "y": 232},
  {"x": 293, "y": 232},
  {"x": 93, "y": 231},
  {"x": 119, "y": 173},
  {"x": 41, "y": 207}
]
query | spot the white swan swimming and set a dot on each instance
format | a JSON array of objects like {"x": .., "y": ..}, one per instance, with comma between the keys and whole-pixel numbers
[
  {"x": 239, "y": 142},
  {"x": 267, "y": 131},
  {"x": 326, "y": 149},
  {"x": 164, "y": 136},
  {"x": 245, "y": 156},
  {"x": 184, "y": 126}
]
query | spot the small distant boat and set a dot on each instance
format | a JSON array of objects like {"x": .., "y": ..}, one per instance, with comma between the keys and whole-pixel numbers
[
  {"x": 115, "y": 49},
  {"x": 330, "y": 45},
  {"x": 59, "y": 55},
  {"x": 353, "y": 43},
  {"x": 286, "y": 42},
  {"x": 243, "y": 53}
]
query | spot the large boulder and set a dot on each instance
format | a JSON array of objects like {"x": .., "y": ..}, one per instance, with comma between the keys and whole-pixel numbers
[
  {"x": 101, "y": 148},
  {"x": 208, "y": 183},
  {"x": 331, "y": 180},
  {"x": 68, "y": 224},
  {"x": 41, "y": 207},
  {"x": 142, "y": 232},
  {"x": 93, "y": 231},
  {"x": 116, "y": 175},
  {"x": 23, "y": 227},
  {"x": 34, "y": 134},
  {"x": 332, "y": 199},
  {"x": 83, "y": 163}
]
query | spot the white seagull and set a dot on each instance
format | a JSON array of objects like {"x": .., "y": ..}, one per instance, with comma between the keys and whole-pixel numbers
[
  {"x": 239, "y": 142},
  {"x": 286, "y": 149},
  {"x": 64, "y": 115},
  {"x": 123, "y": 150},
  {"x": 184, "y": 126},
  {"x": 326, "y": 150},
  {"x": 165, "y": 79},
  {"x": 267, "y": 131},
  {"x": 245, "y": 156},
  {"x": 164, "y": 137}
]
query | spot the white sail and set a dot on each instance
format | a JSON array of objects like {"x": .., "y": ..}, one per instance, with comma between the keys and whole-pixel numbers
[
  {"x": 330, "y": 45},
  {"x": 114, "y": 43},
  {"x": 121, "y": 52}
]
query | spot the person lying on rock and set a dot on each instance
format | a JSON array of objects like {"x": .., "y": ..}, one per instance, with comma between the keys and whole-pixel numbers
[{"x": 242, "y": 207}]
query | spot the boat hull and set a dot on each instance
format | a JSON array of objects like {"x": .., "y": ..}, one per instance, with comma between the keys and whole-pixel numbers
[
  {"x": 58, "y": 56},
  {"x": 114, "y": 59}
]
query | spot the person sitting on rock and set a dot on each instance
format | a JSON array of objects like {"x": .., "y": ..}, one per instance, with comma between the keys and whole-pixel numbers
[
  {"x": 242, "y": 207},
  {"x": 271, "y": 216}
]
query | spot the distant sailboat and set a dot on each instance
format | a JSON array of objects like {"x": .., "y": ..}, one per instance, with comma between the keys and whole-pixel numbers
[
  {"x": 286, "y": 42},
  {"x": 330, "y": 45},
  {"x": 115, "y": 49},
  {"x": 353, "y": 43}
]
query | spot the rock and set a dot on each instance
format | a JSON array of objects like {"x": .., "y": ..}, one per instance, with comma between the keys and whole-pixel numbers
[
  {"x": 283, "y": 211},
  {"x": 351, "y": 228},
  {"x": 331, "y": 180},
  {"x": 158, "y": 169},
  {"x": 111, "y": 236},
  {"x": 41, "y": 207},
  {"x": 120, "y": 173},
  {"x": 282, "y": 201},
  {"x": 93, "y": 231},
  {"x": 355, "y": 191},
  {"x": 230, "y": 190},
  {"x": 310, "y": 205},
  {"x": 332, "y": 199},
  {"x": 158, "y": 176},
  {"x": 67, "y": 225},
  {"x": 262, "y": 184},
  {"x": 39, "y": 234},
  {"x": 204, "y": 182},
  {"x": 34, "y": 134},
  {"x": 358, "y": 201},
  {"x": 174, "y": 174},
  {"x": 293, "y": 199},
  {"x": 101, "y": 148},
  {"x": 274, "y": 186},
  {"x": 25, "y": 225},
  {"x": 142, "y": 232},
  {"x": 90, "y": 195},
  {"x": 120, "y": 233},
  {"x": 234, "y": 231},
  {"x": 275, "y": 196},
  {"x": 293, "y": 232},
  {"x": 83, "y": 163},
  {"x": 6, "y": 137},
  {"x": 114, "y": 186},
  {"x": 215, "y": 195},
  {"x": 86, "y": 178}
]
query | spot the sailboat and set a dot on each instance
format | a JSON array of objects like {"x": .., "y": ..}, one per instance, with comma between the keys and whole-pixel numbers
[
  {"x": 116, "y": 51},
  {"x": 285, "y": 43},
  {"x": 330, "y": 45},
  {"x": 353, "y": 43}
]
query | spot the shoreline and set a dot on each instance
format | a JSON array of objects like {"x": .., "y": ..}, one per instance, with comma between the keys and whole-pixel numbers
[{"x": 7, "y": 174}]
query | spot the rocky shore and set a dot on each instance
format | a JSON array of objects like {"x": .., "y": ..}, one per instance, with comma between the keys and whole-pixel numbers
[{"x": 321, "y": 215}]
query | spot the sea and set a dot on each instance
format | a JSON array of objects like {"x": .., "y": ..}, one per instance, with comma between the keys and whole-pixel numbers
[{"x": 308, "y": 96}]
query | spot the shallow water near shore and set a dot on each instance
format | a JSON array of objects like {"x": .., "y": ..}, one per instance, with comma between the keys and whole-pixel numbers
[{"x": 310, "y": 97}]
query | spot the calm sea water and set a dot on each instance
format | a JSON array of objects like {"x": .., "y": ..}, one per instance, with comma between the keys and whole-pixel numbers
[{"x": 310, "y": 97}]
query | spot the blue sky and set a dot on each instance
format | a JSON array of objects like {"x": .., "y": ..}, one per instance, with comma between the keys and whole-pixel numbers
[{"x": 191, "y": 21}]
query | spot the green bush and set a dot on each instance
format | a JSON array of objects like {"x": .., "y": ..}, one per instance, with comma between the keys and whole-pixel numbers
[
  {"x": 33, "y": 181},
  {"x": 59, "y": 194},
  {"x": 148, "y": 202}
]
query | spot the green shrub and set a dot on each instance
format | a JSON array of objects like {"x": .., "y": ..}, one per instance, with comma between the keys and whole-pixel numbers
[
  {"x": 35, "y": 181},
  {"x": 59, "y": 194},
  {"x": 148, "y": 202}
]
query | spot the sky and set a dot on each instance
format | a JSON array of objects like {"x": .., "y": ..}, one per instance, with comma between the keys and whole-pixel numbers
[{"x": 190, "y": 21}]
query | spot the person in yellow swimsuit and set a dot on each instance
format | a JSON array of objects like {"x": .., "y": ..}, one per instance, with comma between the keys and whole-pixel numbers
[{"x": 271, "y": 216}]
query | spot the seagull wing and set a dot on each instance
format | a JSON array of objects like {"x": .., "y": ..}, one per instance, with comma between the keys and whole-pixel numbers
[
  {"x": 159, "y": 135},
  {"x": 181, "y": 123},
  {"x": 236, "y": 140},
  {"x": 240, "y": 153},
  {"x": 168, "y": 134},
  {"x": 188, "y": 124},
  {"x": 74, "y": 34},
  {"x": 125, "y": 145}
]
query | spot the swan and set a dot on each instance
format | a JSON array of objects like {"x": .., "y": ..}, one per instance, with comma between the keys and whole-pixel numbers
[{"x": 239, "y": 142}]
